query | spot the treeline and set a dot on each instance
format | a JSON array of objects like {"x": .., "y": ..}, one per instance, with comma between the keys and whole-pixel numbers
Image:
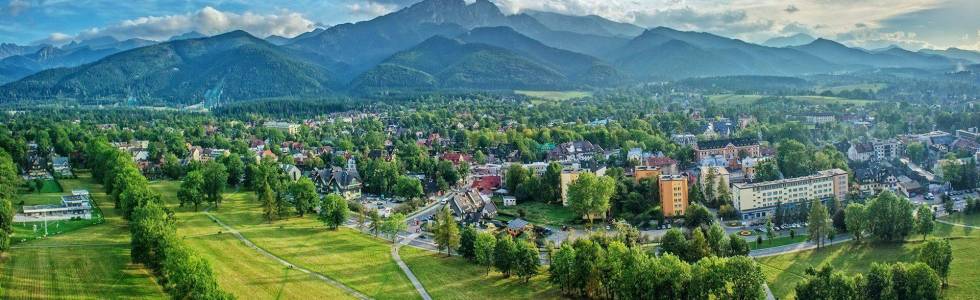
[
  {"x": 922, "y": 279},
  {"x": 9, "y": 181},
  {"x": 603, "y": 268},
  {"x": 285, "y": 108},
  {"x": 182, "y": 273}
]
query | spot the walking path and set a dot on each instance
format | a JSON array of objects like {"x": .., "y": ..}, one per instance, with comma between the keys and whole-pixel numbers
[
  {"x": 404, "y": 267},
  {"x": 249, "y": 243},
  {"x": 957, "y": 224},
  {"x": 793, "y": 248}
]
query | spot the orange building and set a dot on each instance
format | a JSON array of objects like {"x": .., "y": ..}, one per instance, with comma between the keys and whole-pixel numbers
[
  {"x": 641, "y": 172},
  {"x": 673, "y": 195}
]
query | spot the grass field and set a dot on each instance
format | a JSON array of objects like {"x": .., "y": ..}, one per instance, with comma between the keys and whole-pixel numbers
[
  {"x": 960, "y": 218},
  {"x": 873, "y": 87},
  {"x": 750, "y": 99},
  {"x": 89, "y": 263},
  {"x": 555, "y": 95},
  {"x": 354, "y": 259},
  {"x": 455, "y": 278},
  {"x": 540, "y": 213},
  {"x": 783, "y": 272},
  {"x": 779, "y": 241},
  {"x": 240, "y": 270},
  {"x": 25, "y": 232}
]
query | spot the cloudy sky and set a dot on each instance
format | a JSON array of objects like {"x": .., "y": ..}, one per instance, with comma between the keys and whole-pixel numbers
[{"x": 911, "y": 24}]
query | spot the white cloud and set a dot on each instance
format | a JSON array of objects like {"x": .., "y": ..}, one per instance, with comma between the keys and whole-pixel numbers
[
  {"x": 371, "y": 9},
  {"x": 207, "y": 20},
  {"x": 870, "y": 38},
  {"x": 15, "y": 7},
  {"x": 56, "y": 39}
]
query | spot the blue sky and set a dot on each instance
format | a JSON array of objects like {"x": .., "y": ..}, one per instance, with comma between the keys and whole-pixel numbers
[{"x": 911, "y": 24}]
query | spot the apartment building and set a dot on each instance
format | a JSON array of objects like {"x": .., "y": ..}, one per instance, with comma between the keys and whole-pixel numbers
[
  {"x": 673, "y": 195},
  {"x": 759, "y": 200}
]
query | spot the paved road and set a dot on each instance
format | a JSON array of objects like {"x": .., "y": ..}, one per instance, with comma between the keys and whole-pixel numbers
[
  {"x": 249, "y": 243},
  {"x": 404, "y": 267}
]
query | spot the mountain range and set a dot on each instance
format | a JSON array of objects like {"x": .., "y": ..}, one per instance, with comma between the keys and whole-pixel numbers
[{"x": 431, "y": 45}]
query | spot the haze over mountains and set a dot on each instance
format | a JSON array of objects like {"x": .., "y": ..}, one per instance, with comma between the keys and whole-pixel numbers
[{"x": 432, "y": 45}]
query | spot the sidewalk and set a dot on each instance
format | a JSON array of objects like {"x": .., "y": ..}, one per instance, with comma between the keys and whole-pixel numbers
[{"x": 794, "y": 247}]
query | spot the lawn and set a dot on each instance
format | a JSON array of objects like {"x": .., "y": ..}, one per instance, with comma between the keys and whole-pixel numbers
[
  {"x": 960, "y": 218},
  {"x": 750, "y": 99},
  {"x": 555, "y": 95},
  {"x": 455, "y": 278},
  {"x": 783, "y": 272},
  {"x": 354, "y": 259},
  {"x": 240, "y": 270},
  {"x": 539, "y": 213},
  {"x": 779, "y": 241},
  {"x": 89, "y": 263}
]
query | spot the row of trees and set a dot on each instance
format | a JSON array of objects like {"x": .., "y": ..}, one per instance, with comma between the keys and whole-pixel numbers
[
  {"x": 600, "y": 268},
  {"x": 922, "y": 279},
  {"x": 518, "y": 257},
  {"x": 184, "y": 274},
  {"x": 699, "y": 244},
  {"x": 886, "y": 217},
  {"x": 9, "y": 181}
]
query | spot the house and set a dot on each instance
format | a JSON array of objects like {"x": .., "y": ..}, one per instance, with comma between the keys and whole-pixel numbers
[
  {"x": 486, "y": 184},
  {"x": 819, "y": 118},
  {"x": 728, "y": 148},
  {"x": 517, "y": 226},
  {"x": 860, "y": 152},
  {"x": 643, "y": 172},
  {"x": 720, "y": 175},
  {"x": 566, "y": 178},
  {"x": 61, "y": 166},
  {"x": 471, "y": 206},
  {"x": 684, "y": 139},
  {"x": 456, "y": 158},
  {"x": 345, "y": 182},
  {"x": 909, "y": 188},
  {"x": 78, "y": 205},
  {"x": 283, "y": 126},
  {"x": 634, "y": 154},
  {"x": 510, "y": 201},
  {"x": 575, "y": 151},
  {"x": 291, "y": 171},
  {"x": 666, "y": 164}
]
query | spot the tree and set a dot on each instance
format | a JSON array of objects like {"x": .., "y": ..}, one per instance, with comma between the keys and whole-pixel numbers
[
  {"x": 826, "y": 284},
  {"x": 377, "y": 222},
  {"x": 924, "y": 223},
  {"x": 766, "y": 170},
  {"x": 855, "y": 219},
  {"x": 8, "y": 187},
  {"x": 770, "y": 231},
  {"x": 446, "y": 231},
  {"x": 515, "y": 176},
  {"x": 589, "y": 195},
  {"x": 673, "y": 242},
  {"x": 171, "y": 166},
  {"x": 191, "y": 189},
  {"x": 550, "y": 182},
  {"x": 916, "y": 151},
  {"x": 746, "y": 279},
  {"x": 890, "y": 217},
  {"x": 562, "y": 269},
  {"x": 483, "y": 249},
  {"x": 503, "y": 255},
  {"x": 915, "y": 281},
  {"x": 527, "y": 260},
  {"x": 393, "y": 225},
  {"x": 333, "y": 210},
  {"x": 697, "y": 215},
  {"x": 938, "y": 254},
  {"x": 819, "y": 221},
  {"x": 304, "y": 194},
  {"x": 215, "y": 180},
  {"x": 467, "y": 240},
  {"x": 236, "y": 168},
  {"x": 268, "y": 201},
  {"x": 697, "y": 247},
  {"x": 409, "y": 188},
  {"x": 737, "y": 246}
]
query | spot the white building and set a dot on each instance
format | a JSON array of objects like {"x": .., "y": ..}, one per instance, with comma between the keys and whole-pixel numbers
[{"x": 759, "y": 200}]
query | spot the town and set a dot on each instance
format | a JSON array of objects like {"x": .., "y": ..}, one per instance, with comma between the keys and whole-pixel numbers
[{"x": 400, "y": 174}]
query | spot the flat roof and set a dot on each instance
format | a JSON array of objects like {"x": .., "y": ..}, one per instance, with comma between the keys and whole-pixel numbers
[{"x": 820, "y": 174}]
